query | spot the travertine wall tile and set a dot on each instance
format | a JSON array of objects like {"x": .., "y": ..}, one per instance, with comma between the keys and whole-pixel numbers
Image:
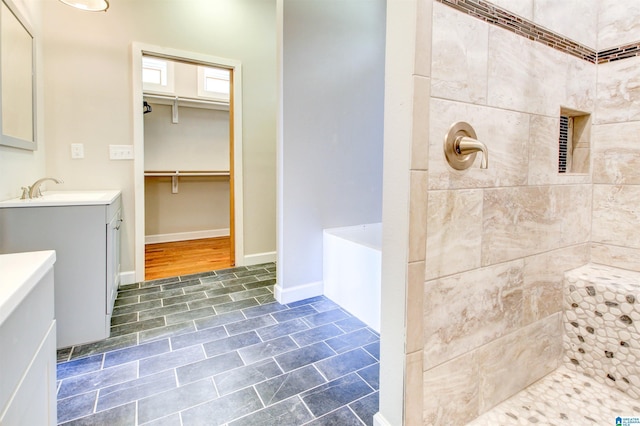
[
  {"x": 420, "y": 134},
  {"x": 450, "y": 392},
  {"x": 523, "y": 8},
  {"x": 413, "y": 390},
  {"x": 523, "y": 221},
  {"x": 513, "y": 362},
  {"x": 505, "y": 133},
  {"x": 418, "y": 215},
  {"x": 616, "y": 215},
  {"x": 543, "y": 278},
  {"x": 619, "y": 257},
  {"x": 618, "y": 92},
  {"x": 513, "y": 85},
  {"x": 580, "y": 88},
  {"x": 454, "y": 232},
  {"x": 467, "y": 310},
  {"x": 560, "y": 17},
  {"x": 617, "y": 23},
  {"x": 616, "y": 153},
  {"x": 424, "y": 18},
  {"x": 460, "y": 50},
  {"x": 415, "y": 297}
]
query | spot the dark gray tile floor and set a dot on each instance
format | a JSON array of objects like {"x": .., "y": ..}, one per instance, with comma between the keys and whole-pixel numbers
[{"x": 217, "y": 349}]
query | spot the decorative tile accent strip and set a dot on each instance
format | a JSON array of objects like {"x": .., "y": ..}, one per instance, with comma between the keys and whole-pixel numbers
[
  {"x": 617, "y": 53},
  {"x": 504, "y": 19},
  {"x": 602, "y": 325}
]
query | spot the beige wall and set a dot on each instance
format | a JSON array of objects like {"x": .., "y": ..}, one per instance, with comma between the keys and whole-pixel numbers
[
  {"x": 88, "y": 86},
  {"x": 498, "y": 240},
  {"x": 20, "y": 167}
]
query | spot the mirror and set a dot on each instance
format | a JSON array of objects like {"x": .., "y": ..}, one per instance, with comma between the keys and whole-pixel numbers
[{"x": 17, "y": 90}]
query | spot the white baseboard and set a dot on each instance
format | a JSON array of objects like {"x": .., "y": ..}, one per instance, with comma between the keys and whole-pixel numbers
[
  {"x": 182, "y": 236},
  {"x": 379, "y": 420},
  {"x": 127, "y": 277},
  {"x": 300, "y": 292},
  {"x": 258, "y": 258}
]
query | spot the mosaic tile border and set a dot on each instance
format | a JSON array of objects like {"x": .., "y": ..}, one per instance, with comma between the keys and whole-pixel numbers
[{"x": 504, "y": 19}]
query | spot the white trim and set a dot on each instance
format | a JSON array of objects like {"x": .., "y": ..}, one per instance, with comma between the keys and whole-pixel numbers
[
  {"x": 379, "y": 420},
  {"x": 258, "y": 258},
  {"x": 299, "y": 292},
  {"x": 183, "y": 236},
  {"x": 137, "y": 50},
  {"x": 128, "y": 277}
]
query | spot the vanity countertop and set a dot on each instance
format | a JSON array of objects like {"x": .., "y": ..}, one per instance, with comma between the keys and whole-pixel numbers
[
  {"x": 65, "y": 198},
  {"x": 19, "y": 273}
]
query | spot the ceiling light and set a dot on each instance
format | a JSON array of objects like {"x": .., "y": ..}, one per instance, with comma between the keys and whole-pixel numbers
[{"x": 89, "y": 5}]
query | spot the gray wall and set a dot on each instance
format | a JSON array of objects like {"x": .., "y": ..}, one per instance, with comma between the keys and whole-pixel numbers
[{"x": 333, "y": 93}]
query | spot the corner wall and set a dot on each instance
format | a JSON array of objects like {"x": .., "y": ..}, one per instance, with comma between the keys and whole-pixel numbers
[{"x": 333, "y": 83}]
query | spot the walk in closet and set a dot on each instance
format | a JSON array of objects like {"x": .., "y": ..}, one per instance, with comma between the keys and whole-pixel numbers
[{"x": 186, "y": 151}]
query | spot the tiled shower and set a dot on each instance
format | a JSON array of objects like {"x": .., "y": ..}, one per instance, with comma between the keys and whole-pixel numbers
[{"x": 498, "y": 241}]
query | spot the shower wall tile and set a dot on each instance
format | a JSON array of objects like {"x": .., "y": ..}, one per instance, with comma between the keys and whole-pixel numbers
[
  {"x": 580, "y": 90},
  {"x": 519, "y": 222},
  {"x": 424, "y": 15},
  {"x": 420, "y": 134},
  {"x": 454, "y": 232},
  {"x": 616, "y": 153},
  {"x": 523, "y": 8},
  {"x": 557, "y": 16},
  {"x": 619, "y": 257},
  {"x": 450, "y": 391},
  {"x": 618, "y": 92},
  {"x": 413, "y": 390},
  {"x": 460, "y": 55},
  {"x": 617, "y": 23},
  {"x": 417, "y": 215},
  {"x": 543, "y": 279},
  {"x": 616, "y": 215},
  {"x": 513, "y": 85},
  {"x": 515, "y": 361},
  {"x": 453, "y": 325},
  {"x": 506, "y": 134},
  {"x": 415, "y": 297}
]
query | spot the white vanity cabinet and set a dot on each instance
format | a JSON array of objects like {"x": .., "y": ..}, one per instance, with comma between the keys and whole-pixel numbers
[
  {"x": 27, "y": 339},
  {"x": 85, "y": 233}
]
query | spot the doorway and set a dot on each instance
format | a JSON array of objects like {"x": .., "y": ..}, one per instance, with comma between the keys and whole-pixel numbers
[{"x": 187, "y": 143}]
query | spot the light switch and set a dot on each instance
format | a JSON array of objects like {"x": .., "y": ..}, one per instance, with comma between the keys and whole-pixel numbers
[
  {"x": 121, "y": 152},
  {"x": 77, "y": 150}
]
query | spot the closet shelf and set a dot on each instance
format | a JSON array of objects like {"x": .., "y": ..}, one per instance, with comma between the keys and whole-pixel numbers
[
  {"x": 181, "y": 101},
  {"x": 187, "y": 173},
  {"x": 177, "y": 174}
]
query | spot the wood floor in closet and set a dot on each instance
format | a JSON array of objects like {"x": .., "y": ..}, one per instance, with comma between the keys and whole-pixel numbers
[{"x": 164, "y": 260}]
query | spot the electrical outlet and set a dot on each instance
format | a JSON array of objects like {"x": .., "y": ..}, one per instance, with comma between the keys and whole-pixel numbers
[
  {"x": 121, "y": 152},
  {"x": 77, "y": 150}
]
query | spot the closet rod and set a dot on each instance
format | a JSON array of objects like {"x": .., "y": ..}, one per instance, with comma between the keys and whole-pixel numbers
[
  {"x": 187, "y": 173},
  {"x": 186, "y": 98}
]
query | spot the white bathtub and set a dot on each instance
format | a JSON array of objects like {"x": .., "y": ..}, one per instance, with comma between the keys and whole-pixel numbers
[{"x": 352, "y": 270}]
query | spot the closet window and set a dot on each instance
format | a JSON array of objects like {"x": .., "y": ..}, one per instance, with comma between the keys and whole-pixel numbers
[
  {"x": 157, "y": 75},
  {"x": 213, "y": 83}
]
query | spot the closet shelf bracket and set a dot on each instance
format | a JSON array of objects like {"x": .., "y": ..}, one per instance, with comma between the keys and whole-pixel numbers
[{"x": 174, "y": 111}]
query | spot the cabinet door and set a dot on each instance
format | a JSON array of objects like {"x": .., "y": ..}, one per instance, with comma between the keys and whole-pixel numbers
[{"x": 113, "y": 260}]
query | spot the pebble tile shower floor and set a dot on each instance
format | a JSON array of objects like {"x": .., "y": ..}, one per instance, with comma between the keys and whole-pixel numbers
[{"x": 217, "y": 349}]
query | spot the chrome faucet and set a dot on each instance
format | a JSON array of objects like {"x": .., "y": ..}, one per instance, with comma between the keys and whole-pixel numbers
[{"x": 34, "y": 190}]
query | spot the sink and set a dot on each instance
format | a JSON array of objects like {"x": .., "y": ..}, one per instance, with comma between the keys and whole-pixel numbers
[{"x": 65, "y": 198}]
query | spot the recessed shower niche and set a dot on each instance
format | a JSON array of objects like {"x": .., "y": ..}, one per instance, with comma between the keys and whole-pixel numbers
[{"x": 574, "y": 141}]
